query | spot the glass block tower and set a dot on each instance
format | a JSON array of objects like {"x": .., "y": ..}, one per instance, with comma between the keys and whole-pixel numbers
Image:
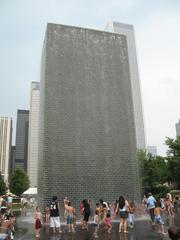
[{"x": 87, "y": 141}]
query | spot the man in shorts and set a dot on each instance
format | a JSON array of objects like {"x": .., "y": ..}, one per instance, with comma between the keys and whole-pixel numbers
[
  {"x": 151, "y": 201},
  {"x": 54, "y": 215}
]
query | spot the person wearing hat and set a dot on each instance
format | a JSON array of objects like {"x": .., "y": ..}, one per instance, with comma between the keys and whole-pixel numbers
[{"x": 54, "y": 215}]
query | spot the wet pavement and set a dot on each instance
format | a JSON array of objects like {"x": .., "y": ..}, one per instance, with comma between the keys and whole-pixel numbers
[{"x": 143, "y": 230}]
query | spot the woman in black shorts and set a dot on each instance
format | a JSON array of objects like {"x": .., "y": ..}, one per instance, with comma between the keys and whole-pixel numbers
[
  {"x": 122, "y": 206},
  {"x": 86, "y": 214}
]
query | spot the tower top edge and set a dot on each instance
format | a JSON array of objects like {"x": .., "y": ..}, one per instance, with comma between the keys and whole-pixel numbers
[{"x": 52, "y": 25}]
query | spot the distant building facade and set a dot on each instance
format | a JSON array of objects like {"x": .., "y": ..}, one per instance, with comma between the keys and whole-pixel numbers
[
  {"x": 87, "y": 144},
  {"x": 128, "y": 31},
  {"x": 152, "y": 150},
  {"x": 178, "y": 128},
  {"x": 22, "y": 139},
  {"x": 5, "y": 146},
  {"x": 33, "y": 133},
  {"x": 12, "y": 160}
]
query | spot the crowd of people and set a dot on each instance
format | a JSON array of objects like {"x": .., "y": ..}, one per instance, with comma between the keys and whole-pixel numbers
[
  {"x": 7, "y": 218},
  {"x": 102, "y": 214}
]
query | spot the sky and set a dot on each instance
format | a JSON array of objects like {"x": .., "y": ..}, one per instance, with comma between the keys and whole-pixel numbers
[{"x": 156, "y": 24}]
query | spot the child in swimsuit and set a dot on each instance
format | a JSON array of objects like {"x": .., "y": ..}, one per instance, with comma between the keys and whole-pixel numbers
[
  {"x": 107, "y": 222},
  {"x": 158, "y": 219},
  {"x": 47, "y": 215},
  {"x": 38, "y": 225}
]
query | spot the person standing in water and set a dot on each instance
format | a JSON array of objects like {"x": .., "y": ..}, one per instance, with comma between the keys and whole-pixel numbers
[
  {"x": 54, "y": 215},
  {"x": 38, "y": 224}
]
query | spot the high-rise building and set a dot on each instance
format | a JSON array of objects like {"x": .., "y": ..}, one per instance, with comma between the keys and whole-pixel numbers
[
  {"x": 5, "y": 146},
  {"x": 87, "y": 146},
  {"x": 33, "y": 133},
  {"x": 12, "y": 160},
  {"x": 128, "y": 31},
  {"x": 152, "y": 150},
  {"x": 178, "y": 128},
  {"x": 22, "y": 139}
]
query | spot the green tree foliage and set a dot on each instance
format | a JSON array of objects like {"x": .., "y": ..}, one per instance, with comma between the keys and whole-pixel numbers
[
  {"x": 153, "y": 172},
  {"x": 2, "y": 186},
  {"x": 19, "y": 182},
  {"x": 156, "y": 172},
  {"x": 173, "y": 145},
  {"x": 173, "y": 161}
]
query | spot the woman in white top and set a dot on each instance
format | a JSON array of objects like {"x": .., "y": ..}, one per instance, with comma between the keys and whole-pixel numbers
[{"x": 122, "y": 206}]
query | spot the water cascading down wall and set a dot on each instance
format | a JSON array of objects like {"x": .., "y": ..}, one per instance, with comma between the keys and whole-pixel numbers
[{"x": 87, "y": 144}]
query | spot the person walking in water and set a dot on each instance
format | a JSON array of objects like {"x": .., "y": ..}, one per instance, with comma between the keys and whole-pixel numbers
[
  {"x": 131, "y": 214},
  {"x": 151, "y": 201},
  {"x": 158, "y": 219},
  {"x": 38, "y": 224},
  {"x": 122, "y": 206},
  {"x": 70, "y": 215},
  {"x": 54, "y": 215},
  {"x": 47, "y": 215},
  {"x": 86, "y": 214},
  {"x": 96, "y": 224},
  {"x": 107, "y": 222}
]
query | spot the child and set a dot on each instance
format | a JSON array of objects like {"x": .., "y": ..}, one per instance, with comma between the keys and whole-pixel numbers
[
  {"x": 66, "y": 201},
  {"x": 81, "y": 213},
  {"x": 7, "y": 225},
  {"x": 131, "y": 214},
  {"x": 112, "y": 210},
  {"x": 96, "y": 224},
  {"x": 158, "y": 219},
  {"x": 38, "y": 225},
  {"x": 47, "y": 215},
  {"x": 70, "y": 215},
  {"x": 107, "y": 222}
]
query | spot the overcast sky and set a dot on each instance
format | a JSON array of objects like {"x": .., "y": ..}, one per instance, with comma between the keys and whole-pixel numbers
[{"x": 157, "y": 33}]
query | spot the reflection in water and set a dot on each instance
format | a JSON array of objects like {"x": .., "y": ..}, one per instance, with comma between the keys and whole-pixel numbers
[
  {"x": 108, "y": 237},
  {"x": 122, "y": 236}
]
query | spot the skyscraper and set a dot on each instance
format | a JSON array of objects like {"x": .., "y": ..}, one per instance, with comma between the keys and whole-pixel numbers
[
  {"x": 12, "y": 160},
  {"x": 87, "y": 131},
  {"x": 22, "y": 139},
  {"x": 178, "y": 128},
  {"x": 128, "y": 31},
  {"x": 152, "y": 150},
  {"x": 5, "y": 146},
  {"x": 33, "y": 133}
]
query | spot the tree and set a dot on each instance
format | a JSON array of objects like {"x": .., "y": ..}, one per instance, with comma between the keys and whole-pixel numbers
[
  {"x": 173, "y": 145},
  {"x": 153, "y": 172},
  {"x": 2, "y": 186},
  {"x": 19, "y": 182},
  {"x": 173, "y": 161}
]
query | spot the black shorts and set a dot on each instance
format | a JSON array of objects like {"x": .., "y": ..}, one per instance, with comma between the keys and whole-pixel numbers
[
  {"x": 124, "y": 214},
  {"x": 86, "y": 216}
]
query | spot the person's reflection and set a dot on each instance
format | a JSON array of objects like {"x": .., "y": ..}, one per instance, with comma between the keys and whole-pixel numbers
[
  {"x": 53, "y": 237},
  {"x": 131, "y": 236},
  {"x": 122, "y": 236},
  {"x": 108, "y": 237},
  {"x": 171, "y": 221}
]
